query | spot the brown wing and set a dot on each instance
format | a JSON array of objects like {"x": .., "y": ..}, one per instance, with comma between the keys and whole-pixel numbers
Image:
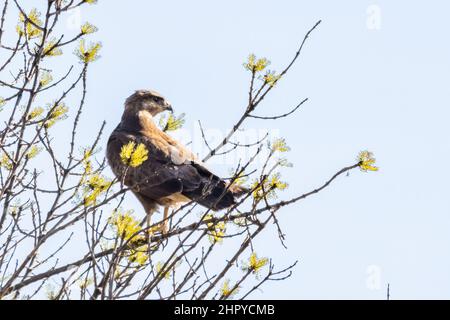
[
  {"x": 160, "y": 177},
  {"x": 157, "y": 177}
]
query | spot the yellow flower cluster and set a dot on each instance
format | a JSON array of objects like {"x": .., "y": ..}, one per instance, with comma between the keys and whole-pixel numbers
[
  {"x": 90, "y": 1},
  {"x": 86, "y": 161},
  {"x": 83, "y": 284},
  {"x": 367, "y": 161},
  {"x": 45, "y": 79},
  {"x": 271, "y": 78},
  {"x": 279, "y": 145},
  {"x": 268, "y": 187},
  {"x": 51, "y": 292},
  {"x": 58, "y": 113},
  {"x": 227, "y": 291},
  {"x": 87, "y": 153},
  {"x": 283, "y": 162},
  {"x": 30, "y": 30},
  {"x": 216, "y": 229},
  {"x": 51, "y": 49},
  {"x": 241, "y": 222},
  {"x": 132, "y": 155},
  {"x": 139, "y": 256},
  {"x": 88, "y": 28},
  {"x": 129, "y": 229},
  {"x": 256, "y": 65},
  {"x": 255, "y": 264},
  {"x": 95, "y": 186},
  {"x": 2, "y": 102},
  {"x": 240, "y": 180},
  {"x": 173, "y": 123},
  {"x": 165, "y": 274},
  {"x": 14, "y": 210},
  {"x": 5, "y": 162},
  {"x": 89, "y": 53},
  {"x": 36, "y": 112},
  {"x": 33, "y": 152}
]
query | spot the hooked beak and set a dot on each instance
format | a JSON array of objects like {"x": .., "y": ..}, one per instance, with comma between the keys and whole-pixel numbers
[{"x": 169, "y": 107}]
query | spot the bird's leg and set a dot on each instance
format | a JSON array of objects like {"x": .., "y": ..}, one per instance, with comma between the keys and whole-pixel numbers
[
  {"x": 149, "y": 219},
  {"x": 149, "y": 230},
  {"x": 165, "y": 222},
  {"x": 149, "y": 206}
]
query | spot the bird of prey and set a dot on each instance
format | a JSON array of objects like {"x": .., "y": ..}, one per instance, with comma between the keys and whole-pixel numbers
[{"x": 172, "y": 175}]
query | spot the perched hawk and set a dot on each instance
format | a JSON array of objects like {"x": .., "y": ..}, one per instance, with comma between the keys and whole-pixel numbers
[{"x": 172, "y": 174}]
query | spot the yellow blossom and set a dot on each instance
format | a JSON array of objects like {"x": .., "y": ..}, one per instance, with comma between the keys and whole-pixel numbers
[
  {"x": 227, "y": 291},
  {"x": 83, "y": 284},
  {"x": 86, "y": 162},
  {"x": 256, "y": 65},
  {"x": 139, "y": 155},
  {"x": 46, "y": 78},
  {"x": 165, "y": 274},
  {"x": 31, "y": 31},
  {"x": 2, "y": 102},
  {"x": 127, "y": 151},
  {"x": 51, "y": 292},
  {"x": 36, "y": 112},
  {"x": 241, "y": 222},
  {"x": 268, "y": 187},
  {"x": 216, "y": 229},
  {"x": 279, "y": 145},
  {"x": 51, "y": 49},
  {"x": 283, "y": 162},
  {"x": 95, "y": 186},
  {"x": 118, "y": 274},
  {"x": 126, "y": 226},
  {"x": 90, "y": 1},
  {"x": 87, "y": 153},
  {"x": 255, "y": 264},
  {"x": 173, "y": 123},
  {"x": 139, "y": 256},
  {"x": 33, "y": 152},
  {"x": 57, "y": 113},
  {"x": 240, "y": 180},
  {"x": 271, "y": 78},
  {"x": 5, "y": 162},
  {"x": 87, "y": 167},
  {"x": 88, "y": 28},
  {"x": 89, "y": 53},
  {"x": 129, "y": 229},
  {"x": 14, "y": 210},
  {"x": 132, "y": 155},
  {"x": 366, "y": 161}
]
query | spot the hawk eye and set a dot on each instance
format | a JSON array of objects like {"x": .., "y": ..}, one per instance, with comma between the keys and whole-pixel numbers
[{"x": 158, "y": 99}]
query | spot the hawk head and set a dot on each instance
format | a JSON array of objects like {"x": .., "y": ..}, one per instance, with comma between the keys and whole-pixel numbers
[{"x": 148, "y": 100}]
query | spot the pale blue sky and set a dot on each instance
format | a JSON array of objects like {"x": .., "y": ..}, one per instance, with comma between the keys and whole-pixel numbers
[{"x": 383, "y": 89}]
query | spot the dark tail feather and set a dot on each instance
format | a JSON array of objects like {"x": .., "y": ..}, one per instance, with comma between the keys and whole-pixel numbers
[
  {"x": 218, "y": 196},
  {"x": 214, "y": 193}
]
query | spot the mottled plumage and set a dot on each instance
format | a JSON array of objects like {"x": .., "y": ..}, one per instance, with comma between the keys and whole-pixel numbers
[{"x": 172, "y": 174}]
